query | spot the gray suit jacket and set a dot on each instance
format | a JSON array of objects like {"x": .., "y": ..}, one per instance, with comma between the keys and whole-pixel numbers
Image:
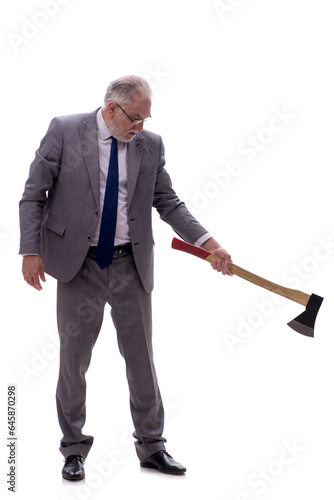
[{"x": 60, "y": 204}]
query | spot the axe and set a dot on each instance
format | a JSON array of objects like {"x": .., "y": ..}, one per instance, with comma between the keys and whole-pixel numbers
[{"x": 304, "y": 323}]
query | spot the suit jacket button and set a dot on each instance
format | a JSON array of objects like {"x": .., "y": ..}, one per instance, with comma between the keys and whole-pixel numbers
[
  {"x": 96, "y": 213},
  {"x": 89, "y": 237}
]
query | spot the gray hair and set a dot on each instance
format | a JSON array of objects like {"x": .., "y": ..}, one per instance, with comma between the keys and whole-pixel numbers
[{"x": 124, "y": 89}]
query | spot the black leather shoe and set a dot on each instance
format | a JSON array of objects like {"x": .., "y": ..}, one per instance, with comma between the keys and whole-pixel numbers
[
  {"x": 163, "y": 463},
  {"x": 73, "y": 469}
]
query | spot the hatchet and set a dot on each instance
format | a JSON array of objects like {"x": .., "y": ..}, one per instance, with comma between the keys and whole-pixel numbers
[{"x": 304, "y": 323}]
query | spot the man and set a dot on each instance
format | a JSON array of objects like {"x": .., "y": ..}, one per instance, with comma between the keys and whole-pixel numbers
[{"x": 85, "y": 219}]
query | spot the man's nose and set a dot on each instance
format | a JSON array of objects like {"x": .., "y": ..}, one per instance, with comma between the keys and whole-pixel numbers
[{"x": 139, "y": 126}]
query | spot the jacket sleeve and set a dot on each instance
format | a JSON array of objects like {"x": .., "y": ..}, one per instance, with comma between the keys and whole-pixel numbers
[
  {"x": 43, "y": 173},
  {"x": 171, "y": 209}
]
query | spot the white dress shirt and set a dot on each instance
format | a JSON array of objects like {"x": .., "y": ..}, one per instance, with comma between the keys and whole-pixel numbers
[{"x": 122, "y": 235}]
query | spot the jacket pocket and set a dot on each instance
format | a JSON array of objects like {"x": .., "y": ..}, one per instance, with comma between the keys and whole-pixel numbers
[
  {"x": 149, "y": 174},
  {"x": 52, "y": 225}
]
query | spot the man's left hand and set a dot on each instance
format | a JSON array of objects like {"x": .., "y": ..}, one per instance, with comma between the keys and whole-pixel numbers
[{"x": 222, "y": 266}]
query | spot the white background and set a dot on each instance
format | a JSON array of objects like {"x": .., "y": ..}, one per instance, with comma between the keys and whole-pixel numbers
[{"x": 241, "y": 389}]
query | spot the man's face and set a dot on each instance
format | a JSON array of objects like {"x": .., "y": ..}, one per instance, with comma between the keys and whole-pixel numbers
[{"x": 120, "y": 125}]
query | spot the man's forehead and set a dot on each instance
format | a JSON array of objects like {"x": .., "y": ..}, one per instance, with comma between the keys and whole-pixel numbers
[
  {"x": 140, "y": 104},
  {"x": 141, "y": 100}
]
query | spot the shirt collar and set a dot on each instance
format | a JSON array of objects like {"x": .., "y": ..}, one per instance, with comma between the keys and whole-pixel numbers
[{"x": 101, "y": 126}]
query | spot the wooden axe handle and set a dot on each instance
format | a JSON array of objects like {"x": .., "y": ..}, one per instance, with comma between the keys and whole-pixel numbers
[{"x": 289, "y": 293}]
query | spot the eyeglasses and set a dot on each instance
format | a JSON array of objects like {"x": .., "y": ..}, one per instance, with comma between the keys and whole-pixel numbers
[{"x": 135, "y": 122}]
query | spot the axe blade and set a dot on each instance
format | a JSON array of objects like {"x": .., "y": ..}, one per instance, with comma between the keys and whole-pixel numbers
[{"x": 304, "y": 323}]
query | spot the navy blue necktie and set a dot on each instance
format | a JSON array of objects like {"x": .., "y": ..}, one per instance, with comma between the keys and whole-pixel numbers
[{"x": 105, "y": 246}]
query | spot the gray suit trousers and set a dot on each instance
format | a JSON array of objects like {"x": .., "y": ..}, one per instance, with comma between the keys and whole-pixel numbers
[{"x": 80, "y": 307}]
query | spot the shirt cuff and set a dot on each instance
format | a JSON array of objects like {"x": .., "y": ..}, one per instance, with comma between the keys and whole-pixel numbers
[{"x": 202, "y": 239}]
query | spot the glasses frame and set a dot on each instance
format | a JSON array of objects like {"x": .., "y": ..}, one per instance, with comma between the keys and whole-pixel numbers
[{"x": 135, "y": 122}]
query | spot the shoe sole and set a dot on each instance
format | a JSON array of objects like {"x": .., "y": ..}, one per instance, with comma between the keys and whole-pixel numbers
[
  {"x": 73, "y": 478},
  {"x": 159, "y": 469}
]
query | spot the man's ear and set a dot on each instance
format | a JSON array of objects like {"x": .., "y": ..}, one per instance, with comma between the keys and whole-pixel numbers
[{"x": 111, "y": 108}]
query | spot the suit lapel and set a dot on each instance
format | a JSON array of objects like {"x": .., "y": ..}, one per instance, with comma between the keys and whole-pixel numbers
[
  {"x": 134, "y": 158},
  {"x": 88, "y": 137}
]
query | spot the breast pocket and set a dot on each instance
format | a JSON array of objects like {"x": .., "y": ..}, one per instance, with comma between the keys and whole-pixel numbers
[
  {"x": 148, "y": 175},
  {"x": 146, "y": 185}
]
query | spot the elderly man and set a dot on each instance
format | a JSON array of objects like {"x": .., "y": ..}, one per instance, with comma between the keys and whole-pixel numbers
[{"x": 85, "y": 219}]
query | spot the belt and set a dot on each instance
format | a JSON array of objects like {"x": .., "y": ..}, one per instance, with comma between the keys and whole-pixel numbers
[{"x": 118, "y": 250}]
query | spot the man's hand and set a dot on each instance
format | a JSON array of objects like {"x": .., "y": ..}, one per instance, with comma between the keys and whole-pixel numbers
[
  {"x": 33, "y": 271},
  {"x": 222, "y": 266}
]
